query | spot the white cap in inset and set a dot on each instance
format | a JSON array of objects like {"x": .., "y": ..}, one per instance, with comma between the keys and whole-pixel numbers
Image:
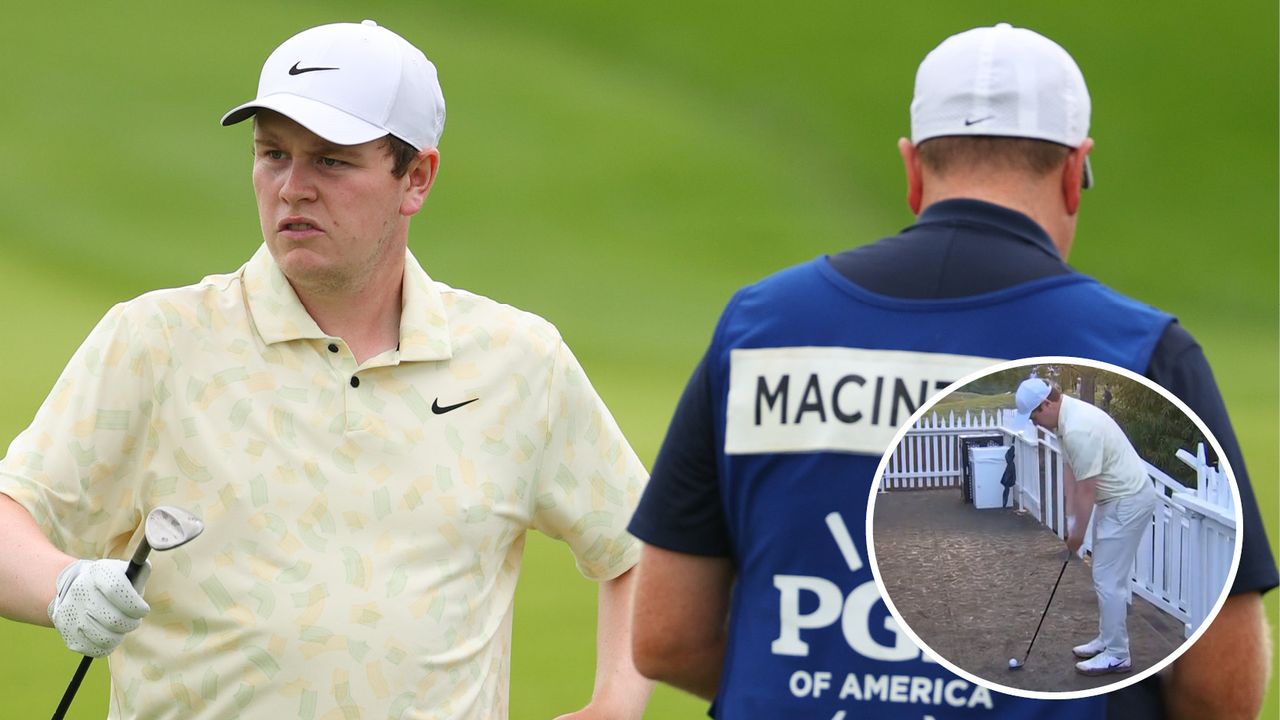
[
  {"x": 351, "y": 83},
  {"x": 1030, "y": 394},
  {"x": 1001, "y": 81}
]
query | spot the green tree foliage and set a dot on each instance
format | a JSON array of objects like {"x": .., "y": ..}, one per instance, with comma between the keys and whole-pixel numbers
[
  {"x": 1004, "y": 381},
  {"x": 1156, "y": 427}
]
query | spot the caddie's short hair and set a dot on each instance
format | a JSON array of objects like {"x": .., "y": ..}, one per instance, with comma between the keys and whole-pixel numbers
[{"x": 1035, "y": 157}]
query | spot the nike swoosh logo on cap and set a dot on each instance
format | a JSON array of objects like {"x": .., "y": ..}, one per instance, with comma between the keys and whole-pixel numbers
[
  {"x": 968, "y": 122},
  {"x": 295, "y": 70},
  {"x": 438, "y": 409}
]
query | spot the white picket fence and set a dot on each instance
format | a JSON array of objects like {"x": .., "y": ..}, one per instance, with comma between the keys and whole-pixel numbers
[
  {"x": 929, "y": 455},
  {"x": 1185, "y": 557}
]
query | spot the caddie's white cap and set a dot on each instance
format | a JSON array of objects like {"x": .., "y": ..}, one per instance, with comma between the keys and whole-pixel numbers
[
  {"x": 351, "y": 83},
  {"x": 1030, "y": 394},
  {"x": 1002, "y": 81}
]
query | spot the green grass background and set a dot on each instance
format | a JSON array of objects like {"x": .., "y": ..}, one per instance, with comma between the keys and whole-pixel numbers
[{"x": 620, "y": 168}]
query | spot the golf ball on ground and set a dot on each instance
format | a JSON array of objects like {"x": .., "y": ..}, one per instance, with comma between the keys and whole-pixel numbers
[{"x": 1013, "y": 663}]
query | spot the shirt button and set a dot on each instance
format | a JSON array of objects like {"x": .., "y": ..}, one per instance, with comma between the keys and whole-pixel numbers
[
  {"x": 333, "y": 347},
  {"x": 355, "y": 381}
]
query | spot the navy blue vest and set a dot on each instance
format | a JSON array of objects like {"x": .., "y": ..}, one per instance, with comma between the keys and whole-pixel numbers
[{"x": 809, "y": 374}]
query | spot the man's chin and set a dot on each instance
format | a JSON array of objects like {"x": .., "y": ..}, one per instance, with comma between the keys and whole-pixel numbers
[{"x": 307, "y": 271}]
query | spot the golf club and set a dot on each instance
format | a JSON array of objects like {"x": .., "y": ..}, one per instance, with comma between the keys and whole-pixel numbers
[
  {"x": 165, "y": 529},
  {"x": 1013, "y": 662}
]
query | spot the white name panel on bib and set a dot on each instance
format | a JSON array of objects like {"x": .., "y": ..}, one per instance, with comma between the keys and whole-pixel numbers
[{"x": 806, "y": 399}]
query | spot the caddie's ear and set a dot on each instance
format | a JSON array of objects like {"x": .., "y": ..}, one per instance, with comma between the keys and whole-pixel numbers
[
  {"x": 915, "y": 180},
  {"x": 1073, "y": 176},
  {"x": 421, "y": 175}
]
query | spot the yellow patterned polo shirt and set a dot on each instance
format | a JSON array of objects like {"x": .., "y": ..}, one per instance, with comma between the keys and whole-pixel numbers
[
  {"x": 1096, "y": 447},
  {"x": 365, "y": 524}
]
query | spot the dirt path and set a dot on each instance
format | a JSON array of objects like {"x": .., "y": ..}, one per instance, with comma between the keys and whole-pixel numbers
[{"x": 972, "y": 584}]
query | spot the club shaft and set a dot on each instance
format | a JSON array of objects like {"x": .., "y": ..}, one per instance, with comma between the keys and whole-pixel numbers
[
  {"x": 1046, "y": 608},
  {"x": 72, "y": 688},
  {"x": 138, "y": 560}
]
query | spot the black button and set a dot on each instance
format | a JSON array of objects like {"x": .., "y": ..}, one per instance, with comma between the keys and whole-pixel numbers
[
  {"x": 355, "y": 381},
  {"x": 333, "y": 347}
]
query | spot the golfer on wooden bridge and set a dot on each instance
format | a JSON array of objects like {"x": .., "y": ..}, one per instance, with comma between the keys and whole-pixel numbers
[{"x": 1105, "y": 477}]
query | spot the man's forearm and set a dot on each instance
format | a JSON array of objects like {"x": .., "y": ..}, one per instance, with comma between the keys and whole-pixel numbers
[
  {"x": 682, "y": 607},
  {"x": 1078, "y": 499},
  {"x": 1224, "y": 674},
  {"x": 620, "y": 691},
  {"x": 698, "y": 673},
  {"x": 1083, "y": 500},
  {"x": 29, "y": 566}
]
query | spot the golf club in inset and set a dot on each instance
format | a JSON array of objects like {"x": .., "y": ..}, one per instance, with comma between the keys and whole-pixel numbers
[
  {"x": 165, "y": 529},
  {"x": 1013, "y": 662}
]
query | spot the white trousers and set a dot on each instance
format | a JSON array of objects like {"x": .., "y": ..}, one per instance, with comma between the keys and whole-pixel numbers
[{"x": 1118, "y": 528}]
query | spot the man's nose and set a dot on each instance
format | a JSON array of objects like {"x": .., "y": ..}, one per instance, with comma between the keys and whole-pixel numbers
[{"x": 299, "y": 182}]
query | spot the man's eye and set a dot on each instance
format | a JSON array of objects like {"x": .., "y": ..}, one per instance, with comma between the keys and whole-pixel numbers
[
  {"x": 274, "y": 154},
  {"x": 330, "y": 162}
]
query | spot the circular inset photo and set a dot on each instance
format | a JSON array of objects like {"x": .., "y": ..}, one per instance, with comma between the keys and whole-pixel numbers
[{"x": 1054, "y": 527}]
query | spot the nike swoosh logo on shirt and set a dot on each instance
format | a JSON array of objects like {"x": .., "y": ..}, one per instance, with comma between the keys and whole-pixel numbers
[{"x": 439, "y": 409}]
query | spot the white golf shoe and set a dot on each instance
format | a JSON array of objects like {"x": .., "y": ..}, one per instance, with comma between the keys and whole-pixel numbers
[
  {"x": 1104, "y": 663},
  {"x": 1089, "y": 649}
]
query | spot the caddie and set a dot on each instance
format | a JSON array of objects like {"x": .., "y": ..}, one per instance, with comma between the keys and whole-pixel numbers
[
  {"x": 754, "y": 589},
  {"x": 1109, "y": 481},
  {"x": 368, "y": 447}
]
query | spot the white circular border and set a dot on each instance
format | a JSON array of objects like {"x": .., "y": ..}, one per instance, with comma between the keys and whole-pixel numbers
[{"x": 1038, "y": 694}]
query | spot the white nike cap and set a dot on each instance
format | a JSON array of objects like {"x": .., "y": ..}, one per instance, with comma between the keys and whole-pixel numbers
[
  {"x": 1030, "y": 394},
  {"x": 351, "y": 83},
  {"x": 1001, "y": 81}
]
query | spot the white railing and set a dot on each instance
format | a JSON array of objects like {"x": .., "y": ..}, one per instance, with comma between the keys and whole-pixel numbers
[
  {"x": 1185, "y": 557},
  {"x": 929, "y": 457},
  {"x": 929, "y": 454},
  {"x": 1038, "y": 461}
]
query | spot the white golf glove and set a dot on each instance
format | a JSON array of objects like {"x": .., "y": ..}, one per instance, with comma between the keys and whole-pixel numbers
[{"x": 95, "y": 605}]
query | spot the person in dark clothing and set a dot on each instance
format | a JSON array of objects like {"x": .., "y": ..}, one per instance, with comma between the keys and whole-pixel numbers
[
  {"x": 1010, "y": 476},
  {"x": 751, "y": 576}
]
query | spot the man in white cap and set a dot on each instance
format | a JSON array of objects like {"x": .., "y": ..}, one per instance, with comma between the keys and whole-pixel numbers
[
  {"x": 1108, "y": 480},
  {"x": 367, "y": 447},
  {"x": 753, "y": 592}
]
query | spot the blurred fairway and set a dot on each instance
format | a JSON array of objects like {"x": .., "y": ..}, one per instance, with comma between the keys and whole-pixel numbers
[{"x": 621, "y": 169}]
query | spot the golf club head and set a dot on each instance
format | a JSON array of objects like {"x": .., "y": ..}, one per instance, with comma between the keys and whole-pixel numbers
[{"x": 170, "y": 527}]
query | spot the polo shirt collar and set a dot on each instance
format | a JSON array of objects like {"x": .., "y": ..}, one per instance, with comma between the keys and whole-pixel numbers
[
  {"x": 424, "y": 326},
  {"x": 994, "y": 217},
  {"x": 279, "y": 316}
]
